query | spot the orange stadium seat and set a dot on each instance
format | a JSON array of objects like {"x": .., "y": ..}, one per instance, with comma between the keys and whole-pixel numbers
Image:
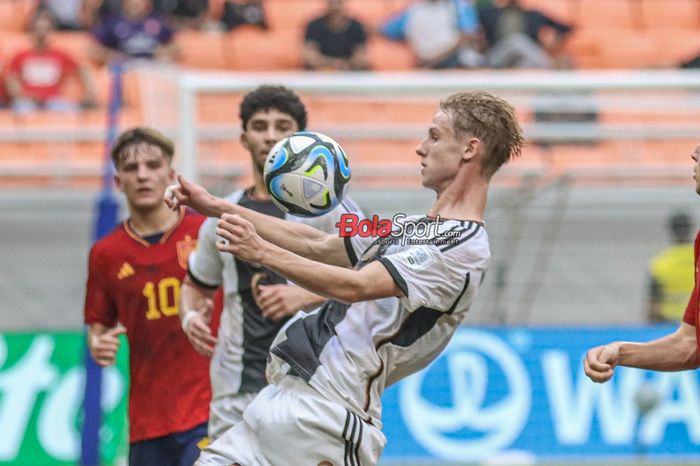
[
  {"x": 620, "y": 48},
  {"x": 15, "y": 14},
  {"x": 201, "y": 49},
  {"x": 385, "y": 55},
  {"x": 292, "y": 14},
  {"x": 671, "y": 14},
  {"x": 251, "y": 49},
  {"x": 608, "y": 13}
]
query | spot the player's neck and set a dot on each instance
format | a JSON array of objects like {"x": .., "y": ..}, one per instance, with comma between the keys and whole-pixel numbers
[
  {"x": 462, "y": 200},
  {"x": 258, "y": 190},
  {"x": 145, "y": 223}
]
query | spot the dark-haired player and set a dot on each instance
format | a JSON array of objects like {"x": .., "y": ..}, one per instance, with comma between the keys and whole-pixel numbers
[{"x": 257, "y": 301}]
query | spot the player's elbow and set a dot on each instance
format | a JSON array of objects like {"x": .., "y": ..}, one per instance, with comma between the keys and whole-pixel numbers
[{"x": 689, "y": 356}]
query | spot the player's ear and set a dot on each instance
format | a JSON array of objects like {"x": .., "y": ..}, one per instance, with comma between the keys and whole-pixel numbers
[
  {"x": 244, "y": 141},
  {"x": 471, "y": 149},
  {"x": 118, "y": 182}
]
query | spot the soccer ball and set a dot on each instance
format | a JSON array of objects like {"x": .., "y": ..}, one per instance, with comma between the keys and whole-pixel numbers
[{"x": 307, "y": 174}]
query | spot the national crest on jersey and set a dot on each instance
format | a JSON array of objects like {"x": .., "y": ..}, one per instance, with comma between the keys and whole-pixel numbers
[
  {"x": 137, "y": 283},
  {"x": 184, "y": 248}
]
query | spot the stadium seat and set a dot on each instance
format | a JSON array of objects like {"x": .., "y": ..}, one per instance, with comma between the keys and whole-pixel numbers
[
  {"x": 608, "y": 13},
  {"x": 202, "y": 49},
  {"x": 15, "y": 14},
  {"x": 675, "y": 14},
  {"x": 250, "y": 49},
  {"x": 385, "y": 55}
]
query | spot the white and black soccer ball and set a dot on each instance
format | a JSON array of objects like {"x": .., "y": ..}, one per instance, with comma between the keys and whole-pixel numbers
[{"x": 307, "y": 174}]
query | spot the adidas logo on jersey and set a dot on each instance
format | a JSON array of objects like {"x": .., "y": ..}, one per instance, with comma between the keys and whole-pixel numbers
[{"x": 125, "y": 271}]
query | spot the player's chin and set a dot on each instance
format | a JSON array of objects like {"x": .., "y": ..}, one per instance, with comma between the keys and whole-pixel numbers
[{"x": 148, "y": 202}]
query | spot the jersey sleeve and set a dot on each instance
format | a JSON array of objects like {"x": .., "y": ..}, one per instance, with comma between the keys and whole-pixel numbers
[
  {"x": 429, "y": 277},
  {"x": 99, "y": 306},
  {"x": 205, "y": 264},
  {"x": 691, "y": 311}
]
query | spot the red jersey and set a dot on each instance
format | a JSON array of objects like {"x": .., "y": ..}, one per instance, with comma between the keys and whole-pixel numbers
[
  {"x": 42, "y": 72},
  {"x": 138, "y": 284},
  {"x": 691, "y": 311}
]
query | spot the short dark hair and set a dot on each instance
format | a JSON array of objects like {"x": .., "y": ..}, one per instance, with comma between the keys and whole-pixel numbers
[
  {"x": 268, "y": 97},
  {"x": 141, "y": 135}
]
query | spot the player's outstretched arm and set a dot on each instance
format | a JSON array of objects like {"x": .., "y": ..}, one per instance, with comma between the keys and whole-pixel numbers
[
  {"x": 301, "y": 239},
  {"x": 103, "y": 343},
  {"x": 674, "y": 352},
  {"x": 340, "y": 283}
]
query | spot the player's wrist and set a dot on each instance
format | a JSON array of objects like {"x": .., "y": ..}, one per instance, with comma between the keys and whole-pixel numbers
[{"x": 187, "y": 316}]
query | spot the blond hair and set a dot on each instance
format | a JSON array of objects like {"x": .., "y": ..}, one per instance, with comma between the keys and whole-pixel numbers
[{"x": 490, "y": 119}]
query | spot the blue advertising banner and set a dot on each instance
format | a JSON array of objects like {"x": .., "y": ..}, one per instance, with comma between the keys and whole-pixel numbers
[{"x": 521, "y": 393}]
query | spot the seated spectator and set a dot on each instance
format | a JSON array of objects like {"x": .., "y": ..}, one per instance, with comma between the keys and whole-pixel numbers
[
  {"x": 138, "y": 32},
  {"x": 36, "y": 76},
  {"x": 516, "y": 37},
  {"x": 441, "y": 33},
  {"x": 335, "y": 41},
  {"x": 240, "y": 13},
  {"x": 184, "y": 14},
  {"x": 69, "y": 15}
]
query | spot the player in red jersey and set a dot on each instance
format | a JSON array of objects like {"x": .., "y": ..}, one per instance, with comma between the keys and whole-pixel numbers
[
  {"x": 675, "y": 352},
  {"x": 133, "y": 287}
]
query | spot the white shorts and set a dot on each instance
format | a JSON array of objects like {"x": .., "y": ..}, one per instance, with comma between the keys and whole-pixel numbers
[
  {"x": 225, "y": 412},
  {"x": 292, "y": 424}
]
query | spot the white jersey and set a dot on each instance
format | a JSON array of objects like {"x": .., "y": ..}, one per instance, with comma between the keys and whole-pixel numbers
[
  {"x": 240, "y": 356},
  {"x": 351, "y": 353}
]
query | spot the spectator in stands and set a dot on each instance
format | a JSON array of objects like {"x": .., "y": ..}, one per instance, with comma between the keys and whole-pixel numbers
[
  {"x": 184, "y": 14},
  {"x": 138, "y": 32},
  {"x": 671, "y": 272},
  {"x": 36, "y": 76},
  {"x": 69, "y": 15},
  {"x": 240, "y": 13},
  {"x": 441, "y": 33},
  {"x": 520, "y": 38},
  {"x": 335, "y": 41}
]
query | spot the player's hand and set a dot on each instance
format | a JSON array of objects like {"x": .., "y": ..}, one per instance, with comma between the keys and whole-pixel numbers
[
  {"x": 104, "y": 347},
  {"x": 599, "y": 364},
  {"x": 193, "y": 195},
  {"x": 198, "y": 330},
  {"x": 280, "y": 300},
  {"x": 241, "y": 239}
]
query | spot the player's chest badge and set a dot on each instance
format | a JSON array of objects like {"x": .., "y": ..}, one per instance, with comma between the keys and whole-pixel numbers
[{"x": 184, "y": 248}]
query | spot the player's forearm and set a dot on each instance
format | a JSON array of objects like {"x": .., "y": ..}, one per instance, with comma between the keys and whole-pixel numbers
[
  {"x": 673, "y": 352},
  {"x": 309, "y": 300},
  {"x": 192, "y": 296},
  {"x": 338, "y": 283},
  {"x": 299, "y": 238}
]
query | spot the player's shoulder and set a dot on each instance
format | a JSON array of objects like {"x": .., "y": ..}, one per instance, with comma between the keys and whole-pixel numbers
[
  {"x": 465, "y": 239},
  {"x": 112, "y": 241},
  {"x": 192, "y": 217}
]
